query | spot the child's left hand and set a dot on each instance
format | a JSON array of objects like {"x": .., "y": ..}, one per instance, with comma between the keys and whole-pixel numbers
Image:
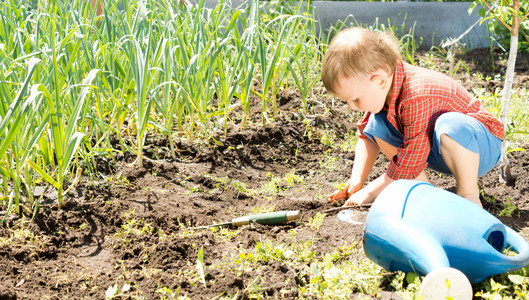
[
  {"x": 359, "y": 198},
  {"x": 369, "y": 193}
]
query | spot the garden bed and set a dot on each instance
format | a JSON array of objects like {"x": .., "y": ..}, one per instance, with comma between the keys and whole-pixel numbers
[{"x": 126, "y": 235}]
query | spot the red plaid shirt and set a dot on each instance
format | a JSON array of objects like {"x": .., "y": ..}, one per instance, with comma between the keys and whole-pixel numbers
[{"x": 419, "y": 97}]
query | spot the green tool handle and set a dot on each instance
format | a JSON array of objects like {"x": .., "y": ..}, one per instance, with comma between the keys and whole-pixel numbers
[{"x": 269, "y": 218}]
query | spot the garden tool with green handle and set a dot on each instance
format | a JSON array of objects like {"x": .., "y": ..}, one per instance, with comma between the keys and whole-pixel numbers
[{"x": 269, "y": 218}]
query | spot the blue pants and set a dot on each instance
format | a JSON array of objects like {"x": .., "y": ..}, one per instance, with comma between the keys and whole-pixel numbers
[{"x": 465, "y": 130}]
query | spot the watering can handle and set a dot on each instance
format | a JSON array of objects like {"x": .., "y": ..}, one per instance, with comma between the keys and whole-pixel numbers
[{"x": 520, "y": 245}]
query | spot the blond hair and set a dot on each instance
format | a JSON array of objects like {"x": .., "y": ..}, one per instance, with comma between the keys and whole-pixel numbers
[{"x": 358, "y": 51}]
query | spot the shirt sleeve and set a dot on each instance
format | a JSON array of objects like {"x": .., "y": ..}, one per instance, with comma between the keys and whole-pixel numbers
[
  {"x": 361, "y": 125},
  {"x": 412, "y": 155}
]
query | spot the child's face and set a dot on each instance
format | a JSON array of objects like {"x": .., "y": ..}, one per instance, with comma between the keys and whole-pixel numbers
[{"x": 365, "y": 93}]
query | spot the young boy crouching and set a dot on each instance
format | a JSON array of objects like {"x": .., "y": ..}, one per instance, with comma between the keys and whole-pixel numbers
[{"x": 418, "y": 117}]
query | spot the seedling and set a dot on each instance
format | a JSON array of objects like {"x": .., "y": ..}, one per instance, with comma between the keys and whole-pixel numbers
[
  {"x": 340, "y": 186},
  {"x": 200, "y": 266},
  {"x": 316, "y": 221}
]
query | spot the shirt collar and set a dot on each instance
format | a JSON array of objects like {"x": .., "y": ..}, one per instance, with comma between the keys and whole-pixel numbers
[{"x": 398, "y": 79}]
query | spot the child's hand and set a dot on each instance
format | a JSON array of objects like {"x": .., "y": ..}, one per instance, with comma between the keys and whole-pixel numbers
[
  {"x": 344, "y": 191},
  {"x": 338, "y": 195},
  {"x": 359, "y": 198}
]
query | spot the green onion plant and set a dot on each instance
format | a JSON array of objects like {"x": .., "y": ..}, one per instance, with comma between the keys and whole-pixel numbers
[{"x": 75, "y": 85}]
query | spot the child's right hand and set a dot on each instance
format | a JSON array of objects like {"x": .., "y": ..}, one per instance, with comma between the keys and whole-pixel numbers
[{"x": 343, "y": 193}]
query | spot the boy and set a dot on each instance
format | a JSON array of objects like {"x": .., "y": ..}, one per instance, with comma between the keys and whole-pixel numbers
[{"x": 417, "y": 117}]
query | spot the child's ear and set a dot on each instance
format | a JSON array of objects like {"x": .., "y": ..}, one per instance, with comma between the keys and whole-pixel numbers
[
  {"x": 379, "y": 78},
  {"x": 378, "y": 81}
]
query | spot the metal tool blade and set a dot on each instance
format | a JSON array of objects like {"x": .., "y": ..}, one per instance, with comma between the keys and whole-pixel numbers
[
  {"x": 211, "y": 226},
  {"x": 340, "y": 208}
]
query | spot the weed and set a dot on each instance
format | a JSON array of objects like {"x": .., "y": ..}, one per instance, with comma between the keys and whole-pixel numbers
[
  {"x": 328, "y": 138},
  {"x": 194, "y": 189},
  {"x": 508, "y": 209},
  {"x": 114, "y": 290},
  {"x": 278, "y": 184},
  {"x": 293, "y": 179},
  {"x": 117, "y": 181},
  {"x": 255, "y": 288},
  {"x": 261, "y": 209},
  {"x": 164, "y": 237},
  {"x": 240, "y": 187},
  {"x": 200, "y": 266},
  {"x": 309, "y": 129},
  {"x": 339, "y": 279},
  {"x": 221, "y": 183},
  {"x": 303, "y": 251},
  {"x": 340, "y": 186},
  {"x": 127, "y": 291},
  {"x": 494, "y": 290},
  {"x": 320, "y": 196},
  {"x": 132, "y": 229},
  {"x": 512, "y": 285},
  {"x": 224, "y": 233},
  {"x": 22, "y": 238},
  {"x": 269, "y": 251},
  {"x": 343, "y": 251},
  {"x": 316, "y": 221},
  {"x": 518, "y": 126},
  {"x": 184, "y": 231},
  {"x": 168, "y": 294},
  {"x": 327, "y": 163},
  {"x": 487, "y": 198},
  {"x": 349, "y": 142},
  {"x": 83, "y": 226},
  {"x": 407, "y": 285}
]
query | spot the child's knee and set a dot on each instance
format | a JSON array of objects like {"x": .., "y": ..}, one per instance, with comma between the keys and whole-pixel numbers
[
  {"x": 458, "y": 128},
  {"x": 453, "y": 129},
  {"x": 453, "y": 123}
]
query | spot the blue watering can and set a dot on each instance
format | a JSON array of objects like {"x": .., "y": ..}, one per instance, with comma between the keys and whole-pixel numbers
[{"x": 416, "y": 227}]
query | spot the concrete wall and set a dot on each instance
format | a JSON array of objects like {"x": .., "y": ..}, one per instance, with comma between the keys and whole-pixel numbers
[{"x": 434, "y": 21}]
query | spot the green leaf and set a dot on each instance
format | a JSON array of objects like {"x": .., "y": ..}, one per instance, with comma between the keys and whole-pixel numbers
[
  {"x": 80, "y": 108},
  {"x": 71, "y": 150},
  {"x": 4, "y": 172},
  {"x": 411, "y": 277},
  {"x": 482, "y": 12},
  {"x": 516, "y": 279},
  {"x": 11, "y": 117},
  {"x": 200, "y": 266},
  {"x": 42, "y": 173},
  {"x": 126, "y": 287},
  {"x": 472, "y": 7},
  {"x": 111, "y": 291}
]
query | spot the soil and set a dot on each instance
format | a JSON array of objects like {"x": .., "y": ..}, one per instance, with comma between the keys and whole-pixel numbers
[{"x": 129, "y": 225}]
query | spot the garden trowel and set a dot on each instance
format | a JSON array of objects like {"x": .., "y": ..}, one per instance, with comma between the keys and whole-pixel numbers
[{"x": 269, "y": 218}]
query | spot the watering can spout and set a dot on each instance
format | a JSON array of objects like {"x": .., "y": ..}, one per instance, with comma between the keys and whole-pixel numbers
[{"x": 515, "y": 253}]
